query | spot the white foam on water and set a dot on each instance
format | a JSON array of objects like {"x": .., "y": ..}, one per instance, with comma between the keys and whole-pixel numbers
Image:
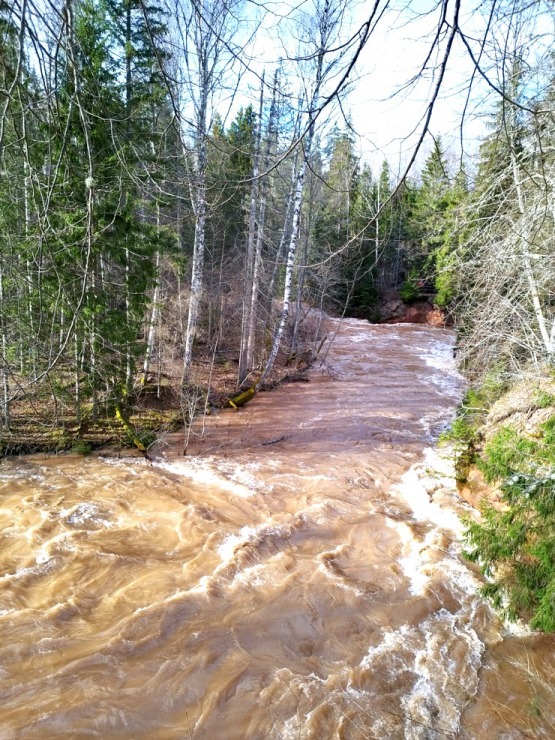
[
  {"x": 425, "y": 557},
  {"x": 41, "y": 561},
  {"x": 64, "y": 539},
  {"x": 413, "y": 567},
  {"x": 437, "y": 697},
  {"x": 23, "y": 473},
  {"x": 226, "y": 549},
  {"x": 202, "y": 586},
  {"x": 440, "y": 357},
  {"x": 30, "y": 532},
  {"x": 236, "y": 480},
  {"x": 517, "y": 629},
  {"x": 253, "y": 535},
  {"x": 390, "y": 641},
  {"x": 362, "y": 337},
  {"x": 83, "y": 513},
  {"x": 339, "y": 581},
  {"x": 434, "y": 472},
  {"x": 428, "y": 423},
  {"x": 43, "y": 556},
  {"x": 253, "y": 576}
]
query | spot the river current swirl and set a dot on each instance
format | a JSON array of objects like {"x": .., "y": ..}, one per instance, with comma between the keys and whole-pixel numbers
[{"x": 297, "y": 575}]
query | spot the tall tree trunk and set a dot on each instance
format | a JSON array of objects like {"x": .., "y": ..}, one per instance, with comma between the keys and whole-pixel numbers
[
  {"x": 302, "y": 273},
  {"x": 261, "y": 222},
  {"x": 200, "y": 211},
  {"x": 246, "y": 356},
  {"x": 546, "y": 335},
  {"x": 289, "y": 267},
  {"x": 298, "y": 201},
  {"x": 77, "y": 382},
  {"x": 153, "y": 323},
  {"x": 5, "y": 371},
  {"x": 128, "y": 81},
  {"x": 196, "y": 288}
]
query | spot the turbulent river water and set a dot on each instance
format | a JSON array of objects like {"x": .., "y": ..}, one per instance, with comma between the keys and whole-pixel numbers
[{"x": 297, "y": 575}]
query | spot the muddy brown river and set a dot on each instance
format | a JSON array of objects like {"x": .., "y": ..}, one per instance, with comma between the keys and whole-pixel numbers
[{"x": 296, "y": 575}]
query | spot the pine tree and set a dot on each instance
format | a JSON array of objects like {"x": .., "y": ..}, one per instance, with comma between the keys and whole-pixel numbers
[
  {"x": 445, "y": 256},
  {"x": 18, "y": 154},
  {"x": 436, "y": 223},
  {"x": 98, "y": 232},
  {"x": 432, "y": 203},
  {"x": 335, "y": 222}
]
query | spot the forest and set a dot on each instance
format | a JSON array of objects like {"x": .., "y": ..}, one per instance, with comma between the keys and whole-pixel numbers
[{"x": 161, "y": 248}]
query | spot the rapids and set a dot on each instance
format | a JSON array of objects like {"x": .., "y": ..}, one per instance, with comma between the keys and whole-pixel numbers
[{"x": 296, "y": 575}]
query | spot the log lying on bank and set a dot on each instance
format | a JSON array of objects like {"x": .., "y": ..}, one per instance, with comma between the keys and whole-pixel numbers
[
  {"x": 242, "y": 398},
  {"x": 128, "y": 429}
]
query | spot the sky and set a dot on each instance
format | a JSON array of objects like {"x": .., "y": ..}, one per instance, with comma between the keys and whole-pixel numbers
[
  {"x": 389, "y": 117},
  {"x": 386, "y": 116},
  {"x": 461, "y": 116},
  {"x": 383, "y": 115}
]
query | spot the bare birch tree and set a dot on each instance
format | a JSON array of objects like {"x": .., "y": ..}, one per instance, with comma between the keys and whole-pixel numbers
[
  {"x": 506, "y": 268},
  {"x": 205, "y": 35},
  {"x": 322, "y": 30}
]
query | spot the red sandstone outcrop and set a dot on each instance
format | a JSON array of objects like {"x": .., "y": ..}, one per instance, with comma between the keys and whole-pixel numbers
[{"x": 394, "y": 311}]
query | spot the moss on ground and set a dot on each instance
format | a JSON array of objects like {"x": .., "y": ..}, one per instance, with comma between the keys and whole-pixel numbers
[{"x": 36, "y": 433}]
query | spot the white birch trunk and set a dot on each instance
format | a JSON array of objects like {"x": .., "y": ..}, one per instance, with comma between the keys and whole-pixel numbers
[
  {"x": 200, "y": 210},
  {"x": 5, "y": 378},
  {"x": 298, "y": 200},
  {"x": 195, "y": 295},
  {"x": 286, "y": 223},
  {"x": 153, "y": 323},
  {"x": 257, "y": 270},
  {"x": 245, "y": 357},
  {"x": 284, "y": 234},
  {"x": 289, "y": 268},
  {"x": 546, "y": 335}
]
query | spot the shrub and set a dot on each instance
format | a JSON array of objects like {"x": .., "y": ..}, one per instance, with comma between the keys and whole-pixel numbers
[
  {"x": 517, "y": 548},
  {"x": 410, "y": 290},
  {"x": 507, "y": 452},
  {"x": 80, "y": 447}
]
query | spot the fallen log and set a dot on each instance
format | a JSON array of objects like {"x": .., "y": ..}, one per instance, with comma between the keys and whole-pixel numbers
[
  {"x": 242, "y": 398},
  {"x": 127, "y": 427}
]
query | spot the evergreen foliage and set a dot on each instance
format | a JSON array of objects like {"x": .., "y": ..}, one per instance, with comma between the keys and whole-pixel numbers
[
  {"x": 516, "y": 546},
  {"x": 78, "y": 212},
  {"x": 515, "y": 543},
  {"x": 436, "y": 231}
]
